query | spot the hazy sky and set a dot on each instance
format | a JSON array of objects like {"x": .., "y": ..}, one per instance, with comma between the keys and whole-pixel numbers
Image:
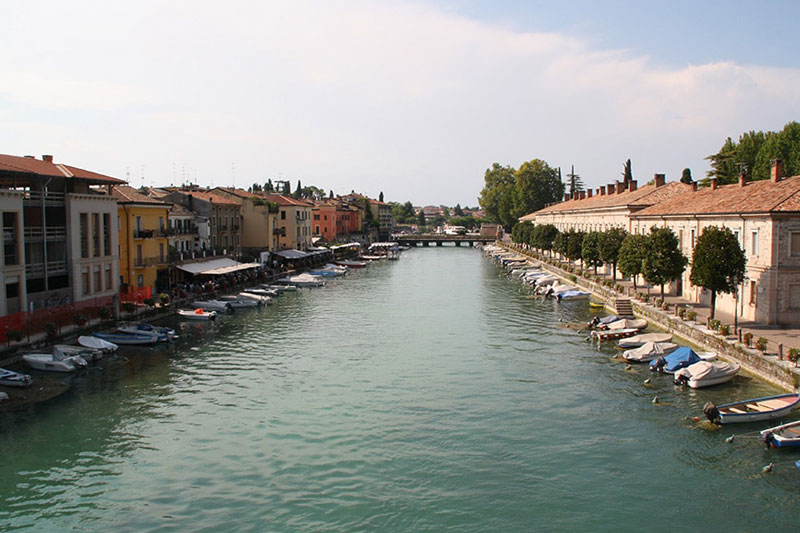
[{"x": 415, "y": 99}]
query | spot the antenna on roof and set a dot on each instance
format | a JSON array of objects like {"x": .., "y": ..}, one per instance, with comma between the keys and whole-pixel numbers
[{"x": 233, "y": 175}]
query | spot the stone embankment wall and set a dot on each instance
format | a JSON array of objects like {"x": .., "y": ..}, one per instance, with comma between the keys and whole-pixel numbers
[{"x": 767, "y": 367}]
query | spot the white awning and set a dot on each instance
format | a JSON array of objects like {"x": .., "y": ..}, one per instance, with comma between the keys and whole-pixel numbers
[
  {"x": 291, "y": 254},
  {"x": 222, "y": 265}
]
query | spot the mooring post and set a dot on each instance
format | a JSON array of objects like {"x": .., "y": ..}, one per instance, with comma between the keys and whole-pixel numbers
[{"x": 780, "y": 352}]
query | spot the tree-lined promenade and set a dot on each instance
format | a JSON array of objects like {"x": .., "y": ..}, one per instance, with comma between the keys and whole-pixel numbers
[{"x": 718, "y": 262}]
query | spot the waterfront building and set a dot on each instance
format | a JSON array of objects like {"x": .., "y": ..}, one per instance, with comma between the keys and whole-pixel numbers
[
  {"x": 293, "y": 222},
  {"x": 223, "y": 215},
  {"x": 335, "y": 220},
  {"x": 182, "y": 232},
  {"x": 324, "y": 220},
  {"x": 259, "y": 219},
  {"x": 382, "y": 212},
  {"x": 765, "y": 218},
  {"x": 59, "y": 242},
  {"x": 143, "y": 243}
]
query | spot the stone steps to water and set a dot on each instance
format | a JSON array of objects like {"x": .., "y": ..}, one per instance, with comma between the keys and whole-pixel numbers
[{"x": 623, "y": 306}]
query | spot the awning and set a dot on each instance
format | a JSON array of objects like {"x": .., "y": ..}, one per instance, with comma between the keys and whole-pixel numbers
[
  {"x": 291, "y": 254},
  {"x": 217, "y": 266}
]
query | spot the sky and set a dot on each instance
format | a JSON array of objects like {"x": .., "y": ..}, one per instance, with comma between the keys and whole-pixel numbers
[{"x": 412, "y": 99}]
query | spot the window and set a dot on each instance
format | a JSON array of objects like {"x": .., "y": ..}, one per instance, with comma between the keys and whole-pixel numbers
[
  {"x": 84, "y": 229},
  {"x": 161, "y": 225},
  {"x": 754, "y": 243},
  {"x": 752, "y": 292},
  {"x": 680, "y": 239},
  {"x": 693, "y": 239},
  {"x": 794, "y": 243},
  {"x": 736, "y": 234},
  {"x": 96, "y": 234},
  {"x": 10, "y": 249},
  {"x": 138, "y": 224},
  {"x": 98, "y": 285},
  {"x": 283, "y": 214},
  {"x": 316, "y": 230},
  {"x": 316, "y": 217},
  {"x": 139, "y": 256},
  {"x": 106, "y": 234},
  {"x": 85, "y": 280},
  {"x": 140, "y": 281},
  {"x": 108, "y": 277},
  {"x": 12, "y": 290},
  {"x": 161, "y": 251}
]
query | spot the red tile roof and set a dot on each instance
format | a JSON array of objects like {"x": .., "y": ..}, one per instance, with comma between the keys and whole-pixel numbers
[
  {"x": 241, "y": 193},
  {"x": 755, "y": 197},
  {"x": 211, "y": 197},
  {"x": 31, "y": 165},
  {"x": 128, "y": 195},
  {"x": 280, "y": 199}
]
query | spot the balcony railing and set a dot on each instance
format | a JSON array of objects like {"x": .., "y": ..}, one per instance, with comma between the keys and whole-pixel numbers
[
  {"x": 180, "y": 257},
  {"x": 149, "y": 261},
  {"x": 149, "y": 233},
  {"x": 192, "y": 230}
]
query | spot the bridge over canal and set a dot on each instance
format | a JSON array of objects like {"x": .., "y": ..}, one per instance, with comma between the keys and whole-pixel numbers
[{"x": 426, "y": 239}]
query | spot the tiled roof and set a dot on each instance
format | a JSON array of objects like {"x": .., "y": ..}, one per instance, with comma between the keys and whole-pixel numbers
[
  {"x": 179, "y": 210},
  {"x": 32, "y": 165},
  {"x": 280, "y": 199},
  {"x": 241, "y": 193},
  {"x": 755, "y": 197},
  {"x": 211, "y": 197},
  {"x": 126, "y": 194},
  {"x": 645, "y": 196}
]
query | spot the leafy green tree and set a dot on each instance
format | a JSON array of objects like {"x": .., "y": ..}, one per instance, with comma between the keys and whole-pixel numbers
[
  {"x": 631, "y": 256},
  {"x": 718, "y": 262},
  {"x": 466, "y": 221},
  {"x": 380, "y": 196},
  {"x": 627, "y": 174},
  {"x": 560, "y": 242},
  {"x": 445, "y": 213},
  {"x": 330, "y": 194},
  {"x": 575, "y": 246},
  {"x": 686, "y": 176},
  {"x": 497, "y": 195},
  {"x": 299, "y": 190},
  {"x": 663, "y": 260},
  {"x": 268, "y": 187},
  {"x": 255, "y": 187},
  {"x": 543, "y": 236},
  {"x": 421, "y": 218},
  {"x": 536, "y": 185},
  {"x": 590, "y": 250},
  {"x": 609, "y": 245},
  {"x": 574, "y": 182},
  {"x": 457, "y": 211}
]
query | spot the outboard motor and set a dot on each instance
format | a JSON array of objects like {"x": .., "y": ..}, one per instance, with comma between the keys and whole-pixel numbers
[
  {"x": 659, "y": 364},
  {"x": 769, "y": 438},
  {"x": 593, "y": 322},
  {"x": 711, "y": 412}
]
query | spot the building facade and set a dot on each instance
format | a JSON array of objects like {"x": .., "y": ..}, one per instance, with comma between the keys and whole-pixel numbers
[
  {"x": 293, "y": 224},
  {"x": 259, "y": 219}
]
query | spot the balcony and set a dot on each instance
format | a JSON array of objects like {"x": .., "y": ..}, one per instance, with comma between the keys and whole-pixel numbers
[
  {"x": 191, "y": 230},
  {"x": 143, "y": 262},
  {"x": 149, "y": 233},
  {"x": 180, "y": 257}
]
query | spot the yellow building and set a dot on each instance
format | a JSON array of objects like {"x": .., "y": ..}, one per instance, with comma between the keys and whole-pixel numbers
[{"x": 143, "y": 245}]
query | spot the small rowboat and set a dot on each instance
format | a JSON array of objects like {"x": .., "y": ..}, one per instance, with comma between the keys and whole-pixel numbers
[
  {"x": 614, "y": 334},
  {"x": 649, "y": 351},
  {"x": 9, "y": 378},
  {"x": 783, "y": 436},
  {"x": 197, "y": 314},
  {"x": 596, "y": 305},
  {"x": 754, "y": 410}
]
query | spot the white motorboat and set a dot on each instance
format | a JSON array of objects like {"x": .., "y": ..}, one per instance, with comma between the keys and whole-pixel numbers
[
  {"x": 134, "y": 339},
  {"x": 197, "y": 314},
  {"x": 88, "y": 354},
  {"x": 96, "y": 343},
  {"x": 627, "y": 323},
  {"x": 237, "y": 302},
  {"x": 9, "y": 378},
  {"x": 212, "y": 305},
  {"x": 303, "y": 280},
  {"x": 54, "y": 362},
  {"x": 351, "y": 264},
  {"x": 649, "y": 351},
  {"x": 706, "y": 374},
  {"x": 162, "y": 334},
  {"x": 280, "y": 288},
  {"x": 644, "y": 338},
  {"x": 573, "y": 295},
  {"x": 272, "y": 293},
  {"x": 261, "y": 299}
]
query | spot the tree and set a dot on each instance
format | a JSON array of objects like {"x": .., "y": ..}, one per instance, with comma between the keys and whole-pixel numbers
[
  {"x": 590, "y": 251},
  {"x": 631, "y": 256},
  {"x": 543, "y": 236},
  {"x": 574, "y": 182},
  {"x": 574, "y": 245},
  {"x": 627, "y": 175},
  {"x": 686, "y": 176},
  {"x": 457, "y": 211},
  {"x": 380, "y": 196},
  {"x": 663, "y": 260},
  {"x": 610, "y": 244},
  {"x": 560, "y": 242},
  {"x": 255, "y": 187},
  {"x": 330, "y": 194},
  {"x": 299, "y": 190},
  {"x": 268, "y": 187},
  {"x": 421, "y": 218},
  {"x": 536, "y": 185},
  {"x": 718, "y": 262},
  {"x": 445, "y": 213},
  {"x": 497, "y": 195}
]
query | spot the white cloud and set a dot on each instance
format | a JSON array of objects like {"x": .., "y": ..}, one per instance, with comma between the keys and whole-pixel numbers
[{"x": 372, "y": 96}]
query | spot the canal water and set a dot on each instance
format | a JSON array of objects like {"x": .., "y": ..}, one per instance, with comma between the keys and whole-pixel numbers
[{"x": 424, "y": 394}]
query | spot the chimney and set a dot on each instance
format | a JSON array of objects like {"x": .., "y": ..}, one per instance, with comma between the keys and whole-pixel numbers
[
  {"x": 620, "y": 187},
  {"x": 29, "y": 157},
  {"x": 47, "y": 158},
  {"x": 694, "y": 186},
  {"x": 566, "y": 197},
  {"x": 582, "y": 194},
  {"x": 602, "y": 190},
  {"x": 589, "y": 193},
  {"x": 742, "y": 179},
  {"x": 713, "y": 184},
  {"x": 659, "y": 179},
  {"x": 632, "y": 185},
  {"x": 776, "y": 170}
]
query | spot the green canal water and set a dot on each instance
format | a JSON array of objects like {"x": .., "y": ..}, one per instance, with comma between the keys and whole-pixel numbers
[{"x": 425, "y": 394}]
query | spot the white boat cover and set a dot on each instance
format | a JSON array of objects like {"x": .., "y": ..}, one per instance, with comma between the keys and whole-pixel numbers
[
  {"x": 708, "y": 370},
  {"x": 628, "y": 323},
  {"x": 643, "y": 338},
  {"x": 649, "y": 351},
  {"x": 97, "y": 344}
]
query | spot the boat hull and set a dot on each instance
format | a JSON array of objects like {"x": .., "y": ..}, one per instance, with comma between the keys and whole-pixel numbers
[
  {"x": 726, "y": 416},
  {"x": 127, "y": 338}
]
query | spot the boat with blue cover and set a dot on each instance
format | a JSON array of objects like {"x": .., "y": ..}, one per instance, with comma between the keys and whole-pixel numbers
[{"x": 680, "y": 358}]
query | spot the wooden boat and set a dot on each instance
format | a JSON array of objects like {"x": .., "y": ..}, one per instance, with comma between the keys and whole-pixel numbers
[
  {"x": 649, "y": 351},
  {"x": 9, "y": 378},
  {"x": 644, "y": 338},
  {"x": 613, "y": 334},
  {"x": 197, "y": 314},
  {"x": 127, "y": 338},
  {"x": 755, "y": 410},
  {"x": 783, "y": 436},
  {"x": 706, "y": 374}
]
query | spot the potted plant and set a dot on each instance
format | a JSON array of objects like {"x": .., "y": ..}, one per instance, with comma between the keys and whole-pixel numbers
[
  {"x": 14, "y": 335},
  {"x": 761, "y": 344},
  {"x": 794, "y": 355},
  {"x": 51, "y": 330},
  {"x": 691, "y": 315},
  {"x": 164, "y": 299},
  {"x": 714, "y": 324},
  {"x": 682, "y": 313},
  {"x": 80, "y": 319},
  {"x": 748, "y": 339},
  {"x": 129, "y": 307},
  {"x": 149, "y": 302},
  {"x": 724, "y": 329},
  {"x": 104, "y": 313}
]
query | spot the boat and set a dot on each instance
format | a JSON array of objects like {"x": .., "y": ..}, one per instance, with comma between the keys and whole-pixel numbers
[
  {"x": 261, "y": 299},
  {"x": 351, "y": 264},
  {"x": 755, "y": 410},
  {"x": 128, "y": 338},
  {"x": 303, "y": 280},
  {"x": 259, "y": 291},
  {"x": 679, "y": 358},
  {"x": 197, "y": 314},
  {"x": 325, "y": 272},
  {"x": 372, "y": 257},
  {"x": 95, "y": 343},
  {"x": 213, "y": 305},
  {"x": 89, "y": 354},
  {"x": 596, "y": 305},
  {"x": 144, "y": 328},
  {"x": 706, "y": 374},
  {"x": 9, "y": 378},
  {"x": 237, "y": 302},
  {"x": 613, "y": 334},
  {"x": 626, "y": 323},
  {"x": 644, "y": 338},
  {"x": 597, "y": 322},
  {"x": 649, "y": 351},
  {"x": 56, "y": 361},
  {"x": 783, "y": 436},
  {"x": 573, "y": 295},
  {"x": 280, "y": 288}
]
